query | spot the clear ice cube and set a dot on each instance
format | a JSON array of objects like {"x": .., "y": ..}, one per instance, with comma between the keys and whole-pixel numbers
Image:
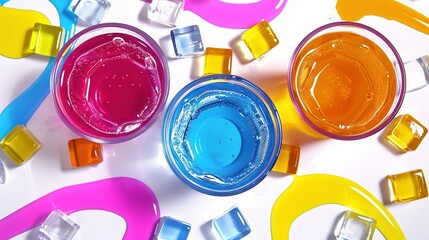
[{"x": 57, "y": 226}]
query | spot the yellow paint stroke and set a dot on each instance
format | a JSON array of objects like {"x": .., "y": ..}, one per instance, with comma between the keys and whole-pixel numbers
[
  {"x": 354, "y": 10},
  {"x": 313, "y": 190},
  {"x": 16, "y": 26}
]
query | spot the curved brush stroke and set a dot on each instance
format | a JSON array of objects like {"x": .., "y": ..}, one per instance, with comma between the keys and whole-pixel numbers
[
  {"x": 22, "y": 108},
  {"x": 16, "y": 26},
  {"x": 310, "y": 191},
  {"x": 352, "y": 10},
  {"x": 129, "y": 198},
  {"x": 229, "y": 15}
]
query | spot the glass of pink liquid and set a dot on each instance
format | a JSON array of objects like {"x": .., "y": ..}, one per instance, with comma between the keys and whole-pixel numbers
[{"x": 110, "y": 82}]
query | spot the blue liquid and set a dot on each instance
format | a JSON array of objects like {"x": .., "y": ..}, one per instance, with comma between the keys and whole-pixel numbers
[{"x": 222, "y": 135}]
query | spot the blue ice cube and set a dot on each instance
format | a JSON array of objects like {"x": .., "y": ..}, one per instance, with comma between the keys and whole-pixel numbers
[
  {"x": 172, "y": 229},
  {"x": 231, "y": 225},
  {"x": 187, "y": 41}
]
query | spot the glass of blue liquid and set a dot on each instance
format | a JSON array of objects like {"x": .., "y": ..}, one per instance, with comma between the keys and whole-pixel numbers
[{"x": 221, "y": 135}]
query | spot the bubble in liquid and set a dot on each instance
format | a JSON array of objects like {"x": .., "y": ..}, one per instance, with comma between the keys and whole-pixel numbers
[{"x": 118, "y": 41}]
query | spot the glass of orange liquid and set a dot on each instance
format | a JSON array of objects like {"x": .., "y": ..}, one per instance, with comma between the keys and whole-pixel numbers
[{"x": 346, "y": 81}]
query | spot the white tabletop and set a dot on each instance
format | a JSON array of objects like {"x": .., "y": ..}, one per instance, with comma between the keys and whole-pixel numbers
[{"x": 367, "y": 161}]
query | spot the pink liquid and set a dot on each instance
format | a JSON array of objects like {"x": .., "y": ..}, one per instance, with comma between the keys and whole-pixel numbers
[
  {"x": 129, "y": 198},
  {"x": 113, "y": 84}
]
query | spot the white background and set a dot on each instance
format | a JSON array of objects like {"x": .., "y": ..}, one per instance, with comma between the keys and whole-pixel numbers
[{"x": 366, "y": 161}]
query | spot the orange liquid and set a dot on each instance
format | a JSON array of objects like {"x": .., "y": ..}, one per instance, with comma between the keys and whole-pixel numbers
[{"x": 344, "y": 82}]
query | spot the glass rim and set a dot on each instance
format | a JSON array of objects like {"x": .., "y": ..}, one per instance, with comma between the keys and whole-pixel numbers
[
  {"x": 169, "y": 152},
  {"x": 389, "y": 116},
  {"x": 113, "y": 138}
]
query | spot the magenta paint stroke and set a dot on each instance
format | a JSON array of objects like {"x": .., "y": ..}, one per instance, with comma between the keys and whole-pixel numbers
[
  {"x": 232, "y": 15},
  {"x": 127, "y": 197}
]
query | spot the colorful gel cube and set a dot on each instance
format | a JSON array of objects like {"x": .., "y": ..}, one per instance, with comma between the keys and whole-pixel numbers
[
  {"x": 84, "y": 152},
  {"x": 172, "y": 229},
  {"x": 406, "y": 133},
  {"x": 355, "y": 226},
  {"x": 90, "y": 11},
  {"x": 407, "y": 186},
  {"x": 46, "y": 39},
  {"x": 288, "y": 160},
  {"x": 187, "y": 41},
  {"x": 165, "y": 11},
  {"x": 57, "y": 226},
  {"x": 217, "y": 61},
  {"x": 20, "y": 145},
  {"x": 231, "y": 225},
  {"x": 260, "y": 39}
]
